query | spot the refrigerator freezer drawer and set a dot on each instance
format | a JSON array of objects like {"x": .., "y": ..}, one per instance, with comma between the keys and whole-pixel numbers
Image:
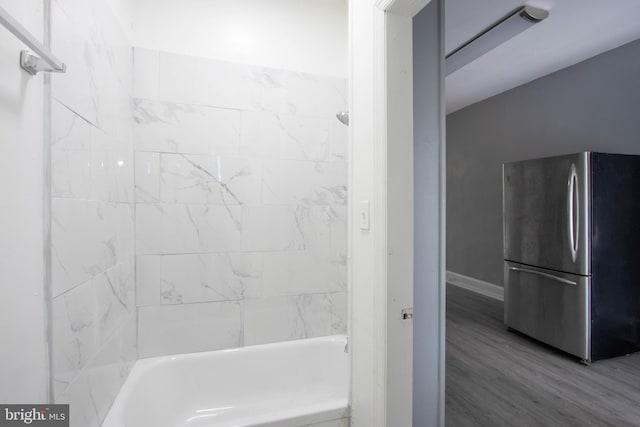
[{"x": 549, "y": 306}]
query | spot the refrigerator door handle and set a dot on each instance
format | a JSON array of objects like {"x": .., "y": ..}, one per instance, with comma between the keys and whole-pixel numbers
[
  {"x": 547, "y": 275},
  {"x": 573, "y": 212}
]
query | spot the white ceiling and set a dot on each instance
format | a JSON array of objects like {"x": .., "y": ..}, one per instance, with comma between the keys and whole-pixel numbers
[{"x": 574, "y": 31}]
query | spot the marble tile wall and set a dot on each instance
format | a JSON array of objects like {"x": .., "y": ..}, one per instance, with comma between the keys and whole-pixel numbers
[
  {"x": 94, "y": 313},
  {"x": 240, "y": 196}
]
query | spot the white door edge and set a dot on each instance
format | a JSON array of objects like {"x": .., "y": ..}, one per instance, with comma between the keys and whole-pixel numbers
[{"x": 373, "y": 309}]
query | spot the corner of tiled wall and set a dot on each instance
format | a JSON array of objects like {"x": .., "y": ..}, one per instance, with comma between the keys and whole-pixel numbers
[
  {"x": 94, "y": 318},
  {"x": 240, "y": 195}
]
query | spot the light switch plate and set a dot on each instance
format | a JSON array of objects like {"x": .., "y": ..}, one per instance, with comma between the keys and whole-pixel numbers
[{"x": 363, "y": 215}]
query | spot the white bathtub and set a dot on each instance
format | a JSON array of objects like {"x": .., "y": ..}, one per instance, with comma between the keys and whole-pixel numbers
[{"x": 289, "y": 384}]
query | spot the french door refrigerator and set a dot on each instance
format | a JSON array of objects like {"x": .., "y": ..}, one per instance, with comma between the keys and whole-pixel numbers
[{"x": 572, "y": 252}]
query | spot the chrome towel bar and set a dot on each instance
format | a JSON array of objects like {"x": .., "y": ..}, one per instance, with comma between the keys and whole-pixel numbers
[{"x": 45, "y": 61}]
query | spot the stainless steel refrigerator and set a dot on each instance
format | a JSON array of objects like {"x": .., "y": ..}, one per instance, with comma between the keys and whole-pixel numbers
[{"x": 572, "y": 252}]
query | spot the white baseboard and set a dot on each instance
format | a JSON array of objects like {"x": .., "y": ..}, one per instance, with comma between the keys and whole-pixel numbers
[{"x": 479, "y": 286}]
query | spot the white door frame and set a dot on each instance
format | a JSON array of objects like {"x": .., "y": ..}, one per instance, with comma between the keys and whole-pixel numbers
[{"x": 381, "y": 173}]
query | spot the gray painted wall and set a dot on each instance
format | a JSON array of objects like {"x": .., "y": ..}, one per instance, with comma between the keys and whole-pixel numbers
[
  {"x": 428, "y": 150},
  {"x": 593, "y": 105}
]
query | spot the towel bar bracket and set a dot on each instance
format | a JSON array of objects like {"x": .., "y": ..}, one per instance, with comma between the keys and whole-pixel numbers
[{"x": 33, "y": 64}]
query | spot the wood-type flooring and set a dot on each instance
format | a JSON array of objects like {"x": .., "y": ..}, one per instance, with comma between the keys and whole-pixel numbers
[{"x": 498, "y": 378}]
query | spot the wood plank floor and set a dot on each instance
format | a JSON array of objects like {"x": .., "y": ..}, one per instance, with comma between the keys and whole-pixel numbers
[{"x": 497, "y": 378}]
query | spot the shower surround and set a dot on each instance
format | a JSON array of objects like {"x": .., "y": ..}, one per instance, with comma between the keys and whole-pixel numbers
[
  {"x": 240, "y": 199},
  {"x": 92, "y": 309},
  {"x": 195, "y": 205}
]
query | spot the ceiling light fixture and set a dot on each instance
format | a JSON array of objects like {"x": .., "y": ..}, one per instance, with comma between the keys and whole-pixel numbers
[{"x": 506, "y": 28}]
